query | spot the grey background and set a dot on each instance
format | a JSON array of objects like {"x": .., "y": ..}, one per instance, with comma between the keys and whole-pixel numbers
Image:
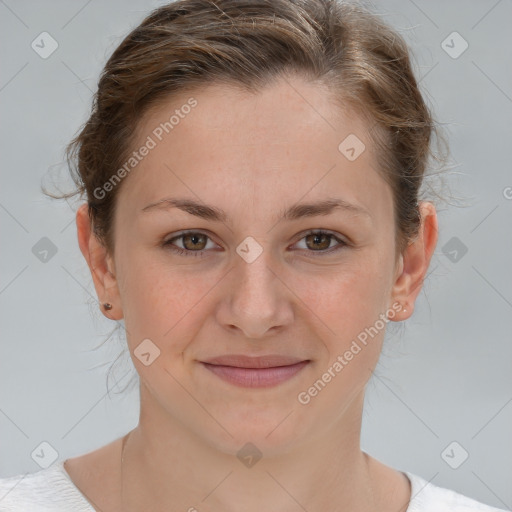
[{"x": 444, "y": 376}]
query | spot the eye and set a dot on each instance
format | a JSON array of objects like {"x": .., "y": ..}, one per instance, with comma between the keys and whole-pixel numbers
[
  {"x": 195, "y": 243},
  {"x": 318, "y": 241}
]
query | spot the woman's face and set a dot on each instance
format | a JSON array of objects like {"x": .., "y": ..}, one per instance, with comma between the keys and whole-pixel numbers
[{"x": 250, "y": 280}]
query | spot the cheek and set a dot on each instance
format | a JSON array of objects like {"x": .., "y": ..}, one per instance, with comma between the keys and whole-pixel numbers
[
  {"x": 345, "y": 308},
  {"x": 163, "y": 303},
  {"x": 347, "y": 298}
]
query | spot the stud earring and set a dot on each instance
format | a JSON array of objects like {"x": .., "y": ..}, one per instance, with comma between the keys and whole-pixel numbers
[{"x": 107, "y": 306}]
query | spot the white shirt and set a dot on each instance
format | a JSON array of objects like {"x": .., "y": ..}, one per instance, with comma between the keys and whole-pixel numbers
[{"x": 52, "y": 490}]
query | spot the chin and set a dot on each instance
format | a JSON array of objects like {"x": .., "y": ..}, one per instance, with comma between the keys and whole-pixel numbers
[{"x": 271, "y": 435}]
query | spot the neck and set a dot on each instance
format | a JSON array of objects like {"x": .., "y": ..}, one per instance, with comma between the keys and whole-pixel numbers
[{"x": 166, "y": 466}]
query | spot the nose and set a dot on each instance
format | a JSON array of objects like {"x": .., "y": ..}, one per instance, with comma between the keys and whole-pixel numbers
[{"x": 255, "y": 299}]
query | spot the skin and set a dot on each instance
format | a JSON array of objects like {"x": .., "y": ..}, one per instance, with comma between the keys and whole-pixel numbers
[{"x": 251, "y": 155}]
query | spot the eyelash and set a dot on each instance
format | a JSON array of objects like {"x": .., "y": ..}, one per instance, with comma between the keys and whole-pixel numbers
[{"x": 186, "y": 252}]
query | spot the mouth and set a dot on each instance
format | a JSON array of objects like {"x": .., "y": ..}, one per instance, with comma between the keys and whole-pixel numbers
[{"x": 255, "y": 372}]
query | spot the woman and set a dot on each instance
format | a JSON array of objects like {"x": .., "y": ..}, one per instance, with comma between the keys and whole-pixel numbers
[{"x": 252, "y": 175}]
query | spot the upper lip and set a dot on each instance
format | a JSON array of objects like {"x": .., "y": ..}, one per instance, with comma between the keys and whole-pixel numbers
[{"x": 243, "y": 361}]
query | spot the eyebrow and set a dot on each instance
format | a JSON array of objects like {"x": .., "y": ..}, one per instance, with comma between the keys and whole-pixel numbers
[{"x": 297, "y": 211}]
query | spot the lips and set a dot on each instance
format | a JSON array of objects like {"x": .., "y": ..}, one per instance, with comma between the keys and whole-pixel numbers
[
  {"x": 243, "y": 361},
  {"x": 255, "y": 372}
]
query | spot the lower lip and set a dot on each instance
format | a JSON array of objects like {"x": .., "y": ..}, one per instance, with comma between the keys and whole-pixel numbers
[{"x": 255, "y": 377}]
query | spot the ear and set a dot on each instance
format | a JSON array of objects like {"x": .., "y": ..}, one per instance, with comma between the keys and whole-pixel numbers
[
  {"x": 414, "y": 262},
  {"x": 100, "y": 264}
]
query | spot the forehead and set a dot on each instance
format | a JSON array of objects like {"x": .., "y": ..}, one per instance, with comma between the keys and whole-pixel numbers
[{"x": 285, "y": 142}]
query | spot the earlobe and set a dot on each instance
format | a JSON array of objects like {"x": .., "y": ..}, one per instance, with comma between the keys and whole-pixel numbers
[{"x": 99, "y": 262}]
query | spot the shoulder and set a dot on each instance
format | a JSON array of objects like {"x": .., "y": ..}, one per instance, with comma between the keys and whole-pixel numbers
[
  {"x": 427, "y": 497},
  {"x": 43, "y": 491}
]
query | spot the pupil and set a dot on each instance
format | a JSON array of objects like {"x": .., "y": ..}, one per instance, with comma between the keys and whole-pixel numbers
[
  {"x": 317, "y": 237},
  {"x": 194, "y": 238}
]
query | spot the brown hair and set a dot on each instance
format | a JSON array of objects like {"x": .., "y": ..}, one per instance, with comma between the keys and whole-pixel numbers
[{"x": 191, "y": 43}]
